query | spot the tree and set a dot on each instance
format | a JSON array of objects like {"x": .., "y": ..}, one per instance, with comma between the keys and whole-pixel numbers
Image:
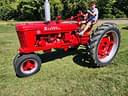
[
  {"x": 34, "y": 9},
  {"x": 122, "y": 5},
  {"x": 56, "y": 8},
  {"x": 105, "y": 8},
  {"x": 7, "y": 9},
  {"x": 71, "y": 7}
]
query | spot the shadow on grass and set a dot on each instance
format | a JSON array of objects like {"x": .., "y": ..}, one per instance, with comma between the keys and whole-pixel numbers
[
  {"x": 80, "y": 58},
  {"x": 58, "y": 54},
  {"x": 126, "y": 28},
  {"x": 83, "y": 59}
]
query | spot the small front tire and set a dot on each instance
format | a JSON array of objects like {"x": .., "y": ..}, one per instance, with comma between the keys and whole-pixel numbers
[{"x": 27, "y": 65}]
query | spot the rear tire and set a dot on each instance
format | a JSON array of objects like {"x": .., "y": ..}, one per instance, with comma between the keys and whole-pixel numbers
[
  {"x": 104, "y": 44},
  {"x": 27, "y": 65}
]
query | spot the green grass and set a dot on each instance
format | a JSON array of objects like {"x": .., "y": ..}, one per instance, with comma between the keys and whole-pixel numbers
[{"x": 62, "y": 77}]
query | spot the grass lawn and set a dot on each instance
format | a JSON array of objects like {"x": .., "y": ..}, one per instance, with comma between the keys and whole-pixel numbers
[{"x": 62, "y": 77}]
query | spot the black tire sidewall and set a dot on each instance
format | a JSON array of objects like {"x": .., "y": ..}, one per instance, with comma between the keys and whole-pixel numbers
[
  {"x": 23, "y": 58},
  {"x": 96, "y": 59}
]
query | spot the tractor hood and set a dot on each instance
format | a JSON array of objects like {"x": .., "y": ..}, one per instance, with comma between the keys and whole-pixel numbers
[
  {"x": 44, "y": 28},
  {"x": 29, "y": 26}
]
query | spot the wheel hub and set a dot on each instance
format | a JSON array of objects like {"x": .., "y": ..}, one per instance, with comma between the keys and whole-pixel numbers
[
  {"x": 29, "y": 66},
  {"x": 105, "y": 46}
]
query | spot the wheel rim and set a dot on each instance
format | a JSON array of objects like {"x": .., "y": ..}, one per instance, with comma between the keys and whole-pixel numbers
[
  {"x": 108, "y": 46},
  {"x": 29, "y": 66}
]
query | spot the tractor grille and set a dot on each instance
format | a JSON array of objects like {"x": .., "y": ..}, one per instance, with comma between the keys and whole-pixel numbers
[{"x": 21, "y": 36}]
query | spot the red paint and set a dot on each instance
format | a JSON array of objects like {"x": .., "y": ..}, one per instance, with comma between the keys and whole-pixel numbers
[
  {"x": 28, "y": 65},
  {"x": 105, "y": 46},
  {"x": 36, "y": 36}
]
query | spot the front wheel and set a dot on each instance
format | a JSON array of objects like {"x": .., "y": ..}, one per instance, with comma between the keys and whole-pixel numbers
[
  {"x": 27, "y": 65},
  {"x": 104, "y": 44}
]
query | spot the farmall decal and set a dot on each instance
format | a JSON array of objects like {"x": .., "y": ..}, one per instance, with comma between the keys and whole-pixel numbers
[{"x": 52, "y": 28}]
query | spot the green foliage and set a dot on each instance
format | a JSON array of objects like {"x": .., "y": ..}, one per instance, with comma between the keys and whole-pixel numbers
[
  {"x": 56, "y": 8},
  {"x": 8, "y": 9},
  {"x": 122, "y": 5},
  {"x": 105, "y": 8},
  {"x": 29, "y": 10},
  {"x": 118, "y": 13},
  {"x": 34, "y": 9},
  {"x": 71, "y": 7},
  {"x": 6, "y": 12}
]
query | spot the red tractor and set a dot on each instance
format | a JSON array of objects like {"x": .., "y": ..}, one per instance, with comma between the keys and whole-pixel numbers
[{"x": 102, "y": 44}]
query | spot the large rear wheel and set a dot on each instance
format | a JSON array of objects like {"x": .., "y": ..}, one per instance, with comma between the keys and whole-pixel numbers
[{"x": 104, "y": 44}]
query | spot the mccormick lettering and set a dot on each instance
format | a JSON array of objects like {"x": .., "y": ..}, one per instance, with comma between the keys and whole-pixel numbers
[{"x": 52, "y": 28}]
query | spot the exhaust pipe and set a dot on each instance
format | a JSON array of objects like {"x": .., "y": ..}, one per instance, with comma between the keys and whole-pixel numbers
[{"x": 47, "y": 11}]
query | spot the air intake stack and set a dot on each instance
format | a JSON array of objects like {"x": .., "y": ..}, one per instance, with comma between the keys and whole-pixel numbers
[{"x": 47, "y": 11}]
